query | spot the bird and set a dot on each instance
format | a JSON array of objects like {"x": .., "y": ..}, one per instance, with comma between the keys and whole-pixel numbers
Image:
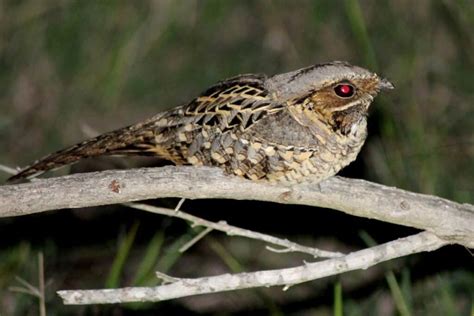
[{"x": 306, "y": 124}]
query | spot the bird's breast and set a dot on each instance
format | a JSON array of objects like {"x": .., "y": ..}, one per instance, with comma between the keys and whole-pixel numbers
[
  {"x": 279, "y": 149},
  {"x": 333, "y": 153}
]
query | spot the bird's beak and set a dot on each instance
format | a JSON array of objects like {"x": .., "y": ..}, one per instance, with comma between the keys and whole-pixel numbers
[{"x": 384, "y": 84}]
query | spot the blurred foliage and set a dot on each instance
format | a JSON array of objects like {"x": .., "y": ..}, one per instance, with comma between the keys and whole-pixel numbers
[{"x": 69, "y": 67}]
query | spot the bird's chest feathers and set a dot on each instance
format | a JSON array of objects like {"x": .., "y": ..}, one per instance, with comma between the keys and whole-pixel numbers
[{"x": 347, "y": 128}]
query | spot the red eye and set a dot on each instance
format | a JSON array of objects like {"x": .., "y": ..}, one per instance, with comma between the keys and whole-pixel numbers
[{"x": 344, "y": 90}]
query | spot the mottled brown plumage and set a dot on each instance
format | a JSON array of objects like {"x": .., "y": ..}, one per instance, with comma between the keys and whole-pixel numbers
[{"x": 305, "y": 124}]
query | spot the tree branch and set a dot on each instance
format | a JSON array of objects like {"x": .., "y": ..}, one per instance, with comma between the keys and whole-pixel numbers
[
  {"x": 451, "y": 221},
  {"x": 230, "y": 230},
  {"x": 178, "y": 287}
]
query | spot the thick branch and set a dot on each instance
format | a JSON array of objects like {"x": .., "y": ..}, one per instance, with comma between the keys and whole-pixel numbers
[
  {"x": 449, "y": 220},
  {"x": 362, "y": 259}
]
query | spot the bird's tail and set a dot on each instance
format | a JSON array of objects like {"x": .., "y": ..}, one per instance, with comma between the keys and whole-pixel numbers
[{"x": 135, "y": 139}]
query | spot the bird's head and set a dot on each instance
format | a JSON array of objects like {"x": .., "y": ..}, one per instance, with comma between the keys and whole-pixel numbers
[{"x": 337, "y": 93}]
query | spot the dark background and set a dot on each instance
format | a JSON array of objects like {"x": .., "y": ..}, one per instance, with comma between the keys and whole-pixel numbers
[{"x": 70, "y": 69}]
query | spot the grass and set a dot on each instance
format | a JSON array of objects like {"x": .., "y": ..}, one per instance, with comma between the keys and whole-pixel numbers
[
  {"x": 338, "y": 302},
  {"x": 116, "y": 270},
  {"x": 400, "y": 298}
]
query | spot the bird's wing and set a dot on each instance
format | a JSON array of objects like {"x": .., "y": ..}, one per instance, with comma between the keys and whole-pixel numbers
[{"x": 236, "y": 103}]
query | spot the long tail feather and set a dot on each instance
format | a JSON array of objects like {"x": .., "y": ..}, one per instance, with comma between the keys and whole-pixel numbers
[{"x": 134, "y": 139}]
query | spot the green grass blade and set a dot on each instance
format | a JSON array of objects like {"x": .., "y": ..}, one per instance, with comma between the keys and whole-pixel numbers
[
  {"x": 145, "y": 271},
  {"x": 397, "y": 294},
  {"x": 357, "y": 24},
  {"x": 447, "y": 297},
  {"x": 172, "y": 254},
  {"x": 338, "y": 306},
  {"x": 113, "y": 279},
  {"x": 225, "y": 256}
]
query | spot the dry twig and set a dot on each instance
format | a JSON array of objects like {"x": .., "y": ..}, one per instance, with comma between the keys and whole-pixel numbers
[
  {"x": 230, "y": 230},
  {"x": 178, "y": 287}
]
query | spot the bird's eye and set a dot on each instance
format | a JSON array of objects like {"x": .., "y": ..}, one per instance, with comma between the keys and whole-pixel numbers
[{"x": 344, "y": 90}]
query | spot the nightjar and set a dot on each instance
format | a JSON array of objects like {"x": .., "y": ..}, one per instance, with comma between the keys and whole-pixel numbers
[{"x": 304, "y": 124}]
